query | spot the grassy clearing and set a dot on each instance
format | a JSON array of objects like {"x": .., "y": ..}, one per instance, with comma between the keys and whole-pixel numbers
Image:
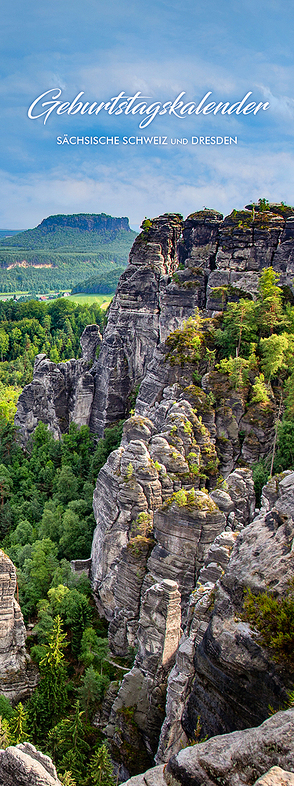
[{"x": 102, "y": 300}]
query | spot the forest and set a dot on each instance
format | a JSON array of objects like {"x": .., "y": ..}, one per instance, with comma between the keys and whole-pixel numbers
[{"x": 62, "y": 251}]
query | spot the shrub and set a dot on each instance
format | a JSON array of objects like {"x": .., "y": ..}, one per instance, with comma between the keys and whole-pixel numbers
[{"x": 274, "y": 620}]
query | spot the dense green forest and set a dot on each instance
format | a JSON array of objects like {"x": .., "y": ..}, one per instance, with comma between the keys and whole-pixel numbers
[
  {"x": 103, "y": 284},
  {"x": 46, "y": 519},
  {"x": 63, "y": 250},
  {"x": 27, "y": 329}
]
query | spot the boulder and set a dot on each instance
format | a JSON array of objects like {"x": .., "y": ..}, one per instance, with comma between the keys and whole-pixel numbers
[
  {"x": 23, "y": 765},
  {"x": 237, "y": 759}
]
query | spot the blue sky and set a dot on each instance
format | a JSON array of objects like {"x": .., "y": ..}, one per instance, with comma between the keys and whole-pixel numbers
[{"x": 159, "y": 48}]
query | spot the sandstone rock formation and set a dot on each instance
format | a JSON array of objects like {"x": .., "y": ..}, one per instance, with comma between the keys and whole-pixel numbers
[
  {"x": 237, "y": 758},
  {"x": 23, "y": 765},
  {"x": 236, "y": 679},
  {"x": 180, "y": 680},
  {"x": 60, "y": 392},
  {"x": 262, "y": 756},
  {"x": 143, "y": 689},
  {"x": 174, "y": 267},
  {"x": 18, "y": 675},
  {"x": 162, "y": 512}
]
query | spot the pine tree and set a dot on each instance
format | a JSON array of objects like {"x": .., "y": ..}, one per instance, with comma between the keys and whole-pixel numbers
[
  {"x": 269, "y": 305},
  {"x": 18, "y": 725},
  {"x": 50, "y": 697},
  {"x": 72, "y": 742},
  {"x": 4, "y": 733},
  {"x": 101, "y": 768}
]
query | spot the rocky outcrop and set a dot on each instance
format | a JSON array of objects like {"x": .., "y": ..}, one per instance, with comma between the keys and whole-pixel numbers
[
  {"x": 276, "y": 777},
  {"x": 60, "y": 392},
  {"x": 23, "y": 765},
  {"x": 180, "y": 680},
  {"x": 238, "y": 758},
  {"x": 133, "y": 327},
  {"x": 237, "y": 679},
  {"x": 262, "y": 756},
  {"x": 18, "y": 675},
  {"x": 141, "y": 697},
  {"x": 174, "y": 267}
]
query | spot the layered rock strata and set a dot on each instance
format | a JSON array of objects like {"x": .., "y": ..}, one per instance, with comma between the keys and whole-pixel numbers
[
  {"x": 153, "y": 478},
  {"x": 174, "y": 267},
  {"x": 237, "y": 679},
  {"x": 60, "y": 392},
  {"x": 18, "y": 675},
  {"x": 181, "y": 677},
  {"x": 142, "y": 692}
]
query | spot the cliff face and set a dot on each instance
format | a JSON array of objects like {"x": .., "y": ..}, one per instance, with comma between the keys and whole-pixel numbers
[
  {"x": 170, "y": 536},
  {"x": 18, "y": 676},
  {"x": 236, "y": 679},
  {"x": 134, "y": 324},
  {"x": 23, "y": 765},
  {"x": 174, "y": 267},
  {"x": 60, "y": 392}
]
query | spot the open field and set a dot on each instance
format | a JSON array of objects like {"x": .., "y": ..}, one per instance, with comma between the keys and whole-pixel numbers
[{"x": 102, "y": 300}]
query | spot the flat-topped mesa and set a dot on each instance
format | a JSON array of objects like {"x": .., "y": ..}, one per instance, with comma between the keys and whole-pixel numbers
[{"x": 18, "y": 675}]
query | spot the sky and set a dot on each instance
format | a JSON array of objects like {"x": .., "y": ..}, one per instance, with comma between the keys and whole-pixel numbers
[{"x": 157, "y": 49}]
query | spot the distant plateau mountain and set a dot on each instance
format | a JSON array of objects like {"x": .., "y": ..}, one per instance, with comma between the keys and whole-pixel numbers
[{"x": 62, "y": 251}]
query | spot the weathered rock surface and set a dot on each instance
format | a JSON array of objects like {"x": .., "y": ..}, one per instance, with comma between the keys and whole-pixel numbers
[
  {"x": 158, "y": 457},
  {"x": 60, "y": 392},
  {"x": 238, "y": 758},
  {"x": 180, "y": 680},
  {"x": 23, "y": 765},
  {"x": 18, "y": 675},
  {"x": 236, "y": 679},
  {"x": 276, "y": 777},
  {"x": 174, "y": 267},
  {"x": 143, "y": 689},
  {"x": 133, "y": 327},
  {"x": 153, "y": 777}
]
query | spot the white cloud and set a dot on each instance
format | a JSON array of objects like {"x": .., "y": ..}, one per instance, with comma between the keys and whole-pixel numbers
[{"x": 223, "y": 179}]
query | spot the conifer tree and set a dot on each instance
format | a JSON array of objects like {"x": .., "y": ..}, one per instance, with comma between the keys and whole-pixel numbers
[
  {"x": 101, "y": 768},
  {"x": 269, "y": 306},
  {"x": 18, "y": 725},
  {"x": 50, "y": 697}
]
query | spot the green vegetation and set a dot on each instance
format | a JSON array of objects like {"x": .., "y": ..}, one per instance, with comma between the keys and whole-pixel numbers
[
  {"x": 252, "y": 344},
  {"x": 62, "y": 251},
  {"x": 26, "y": 329},
  {"x": 102, "y": 300},
  {"x": 54, "y": 718},
  {"x": 274, "y": 620},
  {"x": 46, "y": 520},
  {"x": 46, "y": 516},
  {"x": 103, "y": 284}
]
